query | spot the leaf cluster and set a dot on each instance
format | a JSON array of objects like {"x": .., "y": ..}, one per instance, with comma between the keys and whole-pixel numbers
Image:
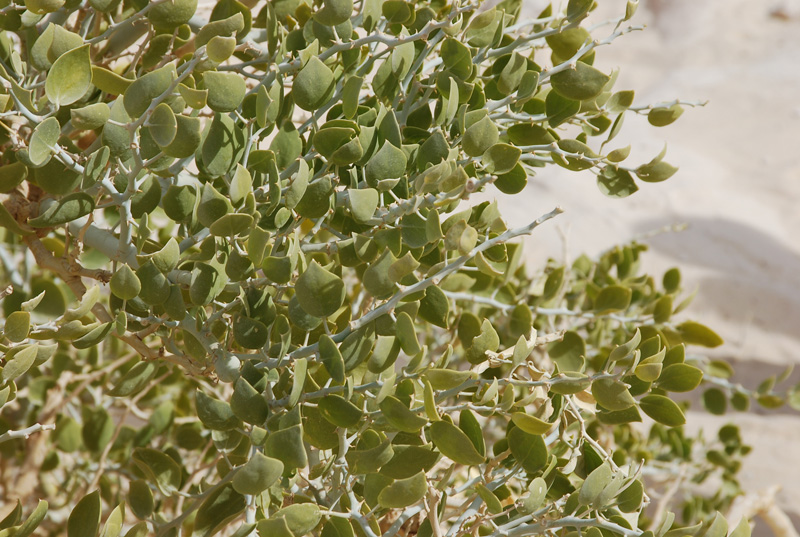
[{"x": 253, "y": 293}]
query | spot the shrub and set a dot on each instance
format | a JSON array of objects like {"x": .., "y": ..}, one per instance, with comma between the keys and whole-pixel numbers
[{"x": 250, "y": 292}]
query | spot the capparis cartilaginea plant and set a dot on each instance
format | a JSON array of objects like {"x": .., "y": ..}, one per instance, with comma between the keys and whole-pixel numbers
[{"x": 249, "y": 292}]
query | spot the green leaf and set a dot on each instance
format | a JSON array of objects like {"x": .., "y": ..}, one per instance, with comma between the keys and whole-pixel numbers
[
  {"x": 616, "y": 183},
  {"x": 501, "y": 158},
  {"x": 225, "y": 90},
  {"x": 493, "y": 505},
  {"x": 222, "y": 147},
  {"x": 386, "y": 167},
  {"x": 512, "y": 182},
  {"x": 220, "y": 48},
  {"x": 65, "y": 210},
  {"x": 143, "y": 90},
  {"x": 231, "y": 225},
  {"x": 140, "y": 498},
  {"x": 693, "y": 333},
  {"x": 169, "y": 15},
  {"x": 742, "y": 529},
  {"x": 620, "y": 101},
  {"x": 486, "y": 341},
  {"x": 32, "y": 522},
  {"x": 404, "y": 492},
  {"x": 655, "y": 172},
  {"x": 334, "y": 12},
  {"x": 316, "y": 200},
  {"x": 331, "y": 358},
  {"x": 579, "y": 84},
  {"x": 559, "y": 109},
  {"x": 125, "y": 284},
  {"x": 274, "y": 527},
  {"x": 512, "y": 73},
  {"x": 137, "y": 530},
  {"x": 407, "y": 334},
  {"x": 529, "y": 450},
  {"x": 715, "y": 401},
  {"x": 569, "y": 353},
  {"x": 70, "y": 77},
  {"x": 370, "y": 460},
  {"x": 216, "y": 415},
  {"x": 664, "y": 115},
  {"x": 594, "y": 484},
  {"x": 257, "y": 475},
  {"x": 187, "y": 140},
  {"x": 248, "y": 404},
  {"x": 612, "y": 298},
  {"x": 447, "y": 379},
  {"x": 408, "y": 460},
  {"x": 362, "y": 203},
  {"x": 630, "y": 499},
  {"x": 300, "y": 518},
  {"x": 577, "y": 9},
  {"x": 400, "y": 417},
  {"x": 313, "y": 85},
  {"x": 90, "y": 117},
  {"x": 134, "y": 380},
  {"x": 718, "y": 527},
  {"x": 44, "y": 141},
  {"x": 160, "y": 469},
  {"x": 680, "y": 378},
  {"x": 531, "y": 502},
  {"x": 320, "y": 292},
  {"x": 219, "y": 508},
  {"x": 84, "y": 520},
  {"x": 109, "y": 81},
  {"x": 479, "y": 137},
  {"x": 18, "y": 361},
  {"x": 162, "y": 125},
  {"x": 114, "y": 522},
  {"x": 287, "y": 446},
  {"x": 434, "y": 307},
  {"x": 530, "y": 424},
  {"x": 339, "y": 411},
  {"x": 17, "y": 327},
  {"x": 612, "y": 394},
  {"x": 12, "y": 175},
  {"x": 663, "y": 410},
  {"x": 454, "y": 444}
]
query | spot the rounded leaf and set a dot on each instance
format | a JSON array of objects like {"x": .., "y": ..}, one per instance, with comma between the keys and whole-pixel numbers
[
  {"x": 386, "y": 167},
  {"x": 313, "y": 85},
  {"x": 170, "y": 14},
  {"x": 529, "y": 450},
  {"x": 85, "y": 516},
  {"x": 90, "y": 117},
  {"x": 216, "y": 415},
  {"x": 17, "y": 326},
  {"x": 479, "y": 137},
  {"x": 225, "y": 90},
  {"x": 70, "y": 77},
  {"x": 162, "y": 125},
  {"x": 257, "y": 475},
  {"x": 404, "y": 492},
  {"x": 579, "y": 84},
  {"x": 334, "y": 12},
  {"x": 454, "y": 444},
  {"x": 319, "y": 292},
  {"x": 663, "y": 410}
]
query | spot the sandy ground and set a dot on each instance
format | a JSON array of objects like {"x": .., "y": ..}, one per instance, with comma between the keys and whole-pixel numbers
[{"x": 738, "y": 191}]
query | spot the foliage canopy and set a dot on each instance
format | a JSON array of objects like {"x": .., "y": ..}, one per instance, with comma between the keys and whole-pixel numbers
[{"x": 250, "y": 291}]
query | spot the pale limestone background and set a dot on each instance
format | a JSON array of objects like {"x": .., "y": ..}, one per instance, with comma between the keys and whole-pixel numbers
[{"x": 738, "y": 189}]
